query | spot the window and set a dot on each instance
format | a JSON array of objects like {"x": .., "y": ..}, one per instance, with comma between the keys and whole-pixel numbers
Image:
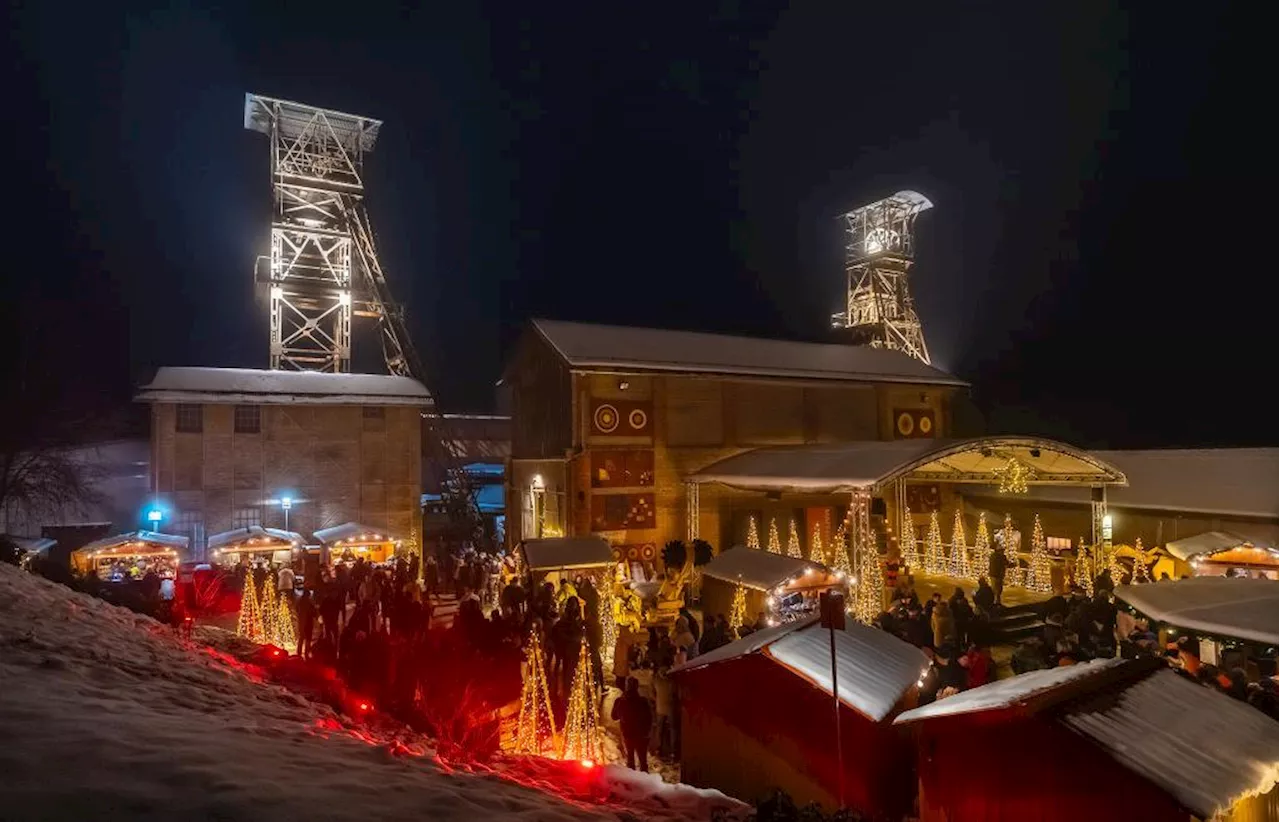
[
  {"x": 190, "y": 419},
  {"x": 248, "y": 419},
  {"x": 375, "y": 417},
  {"x": 246, "y": 517},
  {"x": 1057, "y": 544},
  {"x": 190, "y": 524}
]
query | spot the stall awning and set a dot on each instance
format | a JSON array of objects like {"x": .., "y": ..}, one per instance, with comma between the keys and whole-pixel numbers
[
  {"x": 567, "y": 553},
  {"x": 835, "y": 467},
  {"x": 254, "y": 537},
  {"x": 354, "y": 533},
  {"x": 1243, "y": 609},
  {"x": 1212, "y": 542},
  {"x": 759, "y": 569},
  {"x": 135, "y": 542}
]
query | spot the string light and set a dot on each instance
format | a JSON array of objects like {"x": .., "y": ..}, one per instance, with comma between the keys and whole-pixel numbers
[
  {"x": 775, "y": 544},
  {"x": 582, "y": 719},
  {"x": 817, "y": 552},
  {"x": 934, "y": 561},
  {"x": 738, "y": 611},
  {"x": 1012, "y": 572},
  {"x": 793, "y": 541},
  {"x": 910, "y": 547},
  {"x": 249, "y": 625},
  {"x": 1140, "y": 571},
  {"x": 1013, "y": 477},
  {"x": 536, "y": 727},
  {"x": 1039, "y": 575},
  {"x": 1084, "y": 568},
  {"x": 286, "y": 633},
  {"x": 869, "y": 596},
  {"x": 840, "y": 552},
  {"x": 753, "y": 533},
  {"x": 268, "y": 605},
  {"x": 959, "y": 548},
  {"x": 608, "y": 622},
  {"x": 982, "y": 547}
]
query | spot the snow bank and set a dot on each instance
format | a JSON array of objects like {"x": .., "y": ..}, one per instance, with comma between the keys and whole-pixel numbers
[{"x": 108, "y": 716}]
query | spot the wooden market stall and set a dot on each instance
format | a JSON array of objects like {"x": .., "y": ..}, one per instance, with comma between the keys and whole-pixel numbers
[
  {"x": 1110, "y": 741},
  {"x": 351, "y": 541},
  {"x": 1222, "y": 553},
  {"x": 254, "y": 543},
  {"x": 130, "y": 555},
  {"x": 557, "y": 558},
  {"x": 776, "y": 585},
  {"x": 757, "y": 715}
]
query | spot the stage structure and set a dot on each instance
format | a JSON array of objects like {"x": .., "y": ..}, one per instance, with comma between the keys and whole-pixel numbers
[
  {"x": 878, "y": 308},
  {"x": 324, "y": 270}
]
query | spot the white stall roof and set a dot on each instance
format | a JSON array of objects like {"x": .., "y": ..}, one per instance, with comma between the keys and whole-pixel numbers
[
  {"x": 757, "y": 568},
  {"x": 238, "y": 535},
  {"x": 256, "y": 386},
  {"x": 622, "y": 348},
  {"x": 567, "y": 552},
  {"x": 353, "y": 531},
  {"x": 1205, "y": 749},
  {"x": 1211, "y": 542},
  {"x": 1007, "y": 693},
  {"x": 874, "y": 668},
  {"x": 31, "y": 545},
  {"x": 178, "y": 543},
  {"x": 1245, "y": 609}
]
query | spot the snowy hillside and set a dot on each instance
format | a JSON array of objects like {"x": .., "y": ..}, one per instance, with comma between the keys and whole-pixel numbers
[{"x": 105, "y": 715}]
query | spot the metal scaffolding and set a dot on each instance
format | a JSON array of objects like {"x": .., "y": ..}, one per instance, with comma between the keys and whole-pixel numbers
[{"x": 878, "y": 308}]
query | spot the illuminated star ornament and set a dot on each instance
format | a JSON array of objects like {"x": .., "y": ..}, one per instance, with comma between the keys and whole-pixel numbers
[{"x": 1013, "y": 477}]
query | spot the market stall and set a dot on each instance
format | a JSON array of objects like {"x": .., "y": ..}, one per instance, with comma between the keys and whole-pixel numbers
[
  {"x": 130, "y": 556},
  {"x": 783, "y": 588},
  {"x": 557, "y": 558},
  {"x": 254, "y": 544},
  {"x": 351, "y": 541},
  {"x": 1226, "y": 553}
]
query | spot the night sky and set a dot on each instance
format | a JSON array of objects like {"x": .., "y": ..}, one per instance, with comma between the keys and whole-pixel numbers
[{"x": 1096, "y": 263}]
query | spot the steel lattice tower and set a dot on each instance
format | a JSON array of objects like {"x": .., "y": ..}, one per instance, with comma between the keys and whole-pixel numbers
[
  {"x": 323, "y": 268},
  {"x": 878, "y": 309}
]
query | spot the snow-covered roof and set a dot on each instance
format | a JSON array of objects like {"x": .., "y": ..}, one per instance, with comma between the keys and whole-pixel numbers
[
  {"x": 239, "y": 536},
  {"x": 874, "y": 668},
  {"x": 151, "y": 538},
  {"x": 353, "y": 532},
  {"x": 758, "y": 569},
  {"x": 1226, "y": 481},
  {"x": 1203, "y": 748},
  {"x": 31, "y": 545},
  {"x": 610, "y": 347},
  {"x": 256, "y": 386},
  {"x": 1008, "y": 693},
  {"x": 834, "y": 467},
  {"x": 1211, "y": 542},
  {"x": 567, "y": 553},
  {"x": 1246, "y": 609}
]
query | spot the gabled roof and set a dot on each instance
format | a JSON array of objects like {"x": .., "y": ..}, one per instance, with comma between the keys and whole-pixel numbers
[
  {"x": 153, "y": 539},
  {"x": 556, "y": 553},
  {"x": 241, "y": 536},
  {"x": 874, "y": 667},
  {"x": 257, "y": 386},
  {"x": 590, "y": 347},
  {"x": 1212, "y": 542},
  {"x": 355, "y": 533},
  {"x": 758, "y": 569},
  {"x": 1245, "y": 609}
]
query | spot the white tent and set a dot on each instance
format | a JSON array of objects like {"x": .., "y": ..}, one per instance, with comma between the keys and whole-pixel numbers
[{"x": 1245, "y": 609}]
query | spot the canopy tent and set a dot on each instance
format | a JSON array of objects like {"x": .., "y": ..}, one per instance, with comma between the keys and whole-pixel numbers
[
  {"x": 374, "y": 544},
  {"x": 837, "y": 467},
  {"x": 131, "y": 545},
  {"x": 1243, "y": 609},
  {"x": 567, "y": 553},
  {"x": 764, "y": 571}
]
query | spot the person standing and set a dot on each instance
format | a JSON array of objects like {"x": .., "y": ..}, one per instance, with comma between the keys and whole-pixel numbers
[{"x": 635, "y": 717}]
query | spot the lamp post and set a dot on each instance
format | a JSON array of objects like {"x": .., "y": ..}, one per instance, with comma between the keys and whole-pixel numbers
[
  {"x": 153, "y": 517},
  {"x": 285, "y": 504}
]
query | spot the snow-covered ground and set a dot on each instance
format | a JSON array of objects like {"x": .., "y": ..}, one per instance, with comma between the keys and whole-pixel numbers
[{"x": 106, "y": 715}]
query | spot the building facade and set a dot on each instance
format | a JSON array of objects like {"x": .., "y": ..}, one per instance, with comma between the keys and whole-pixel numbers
[
  {"x": 608, "y": 423},
  {"x": 228, "y": 446}
]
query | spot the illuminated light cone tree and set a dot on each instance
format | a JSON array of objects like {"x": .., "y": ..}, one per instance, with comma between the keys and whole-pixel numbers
[
  {"x": 581, "y": 738},
  {"x": 775, "y": 544},
  {"x": 869, "y": 596},
  {"x": 793, "y": 542},
  {"x": 1084, "y": 568},
  {"x": 981, "y": 548},
  {"x": 1012, "y": 574},
  {"x": 1140, "y": 571},
  {"x": 536, "y": 727},
  {"x": 267, "y": 599},
  {"x": 1039, "y": 575},
  {"x": 959, "y": 548},
  {"x": 738, "y": 611},
  {"x": 910, "y": 547},
  {"x": 753, "y": 533},
  {"x": 817, "y": 551},
  {"x": 840, "y": 553},
  {"x": 286, "y": 625},
  {"x": 249, "y": 624},
  {"x": 934, "y": 561},
  {"x": 608, "y": 622}
]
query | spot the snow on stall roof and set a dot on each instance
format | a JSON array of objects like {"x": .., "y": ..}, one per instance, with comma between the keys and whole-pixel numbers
[
  {"x": 1211, "y": 542},
  {"x": 238, "y": 535},
  {"x": 353, "y": 530},
  {"x": 1245, "y": 609},
  {"x": 606, "y": 347},
  {"x": 178, "y": 543},
  {"x": 31, "y": 545},
  {"x": 1007, "y": 693},
  {"x": 567, "y": 553},
  {"x": 1202, "y": 747},
  {"x": 118, "y": 718},
  {"x": 264, "y": 387},
  {"x": 757, "y": 569},
  {"x": 826, "y": 467},
  {"x": 749, "y": 644}
]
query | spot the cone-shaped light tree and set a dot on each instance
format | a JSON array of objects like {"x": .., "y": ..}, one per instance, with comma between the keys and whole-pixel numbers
[
  {"x": 775, "y": 544},
  {"x": 910, "y": 546},
  {"x": 1084, "y": 568},
  {"x": 793, "y": 541},
  {"x": 608, "y": 619},
  {"x": 1039, "y": 576},
  {"x": 959, "y": 548},
  {"x": 869, "y": 596},
  {"x": 286, "y": 625},
  {"x": 738, "y": 611},
  {"x": 581, "y": 739},
  {"x": 1141, "y": 573},
  {"x": 753, "y": 533},
  {"x": 1012, "y": 574},
  {"x": 249, "y": 625},
  {"x": 536, "y": 727},
  {"x": 934, "y": 560},
  {"x": 840, "y": 552},
  {"x": 817, "y": 551},
  {"x": 267, "y": 601},
  {"x": 981, "y": 548}
]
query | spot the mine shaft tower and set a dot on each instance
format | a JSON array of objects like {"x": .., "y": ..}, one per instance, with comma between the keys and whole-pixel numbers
[{"x": 879, "y": 252}]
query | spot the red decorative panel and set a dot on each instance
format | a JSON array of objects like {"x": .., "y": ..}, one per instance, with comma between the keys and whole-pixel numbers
[
  {"x": 617, "y": 512},
  {"x": 621, "y": 469},
  {"x": 914, "y": 423},
  {"x": 621, "y": 418},
  {"x": 923, "y": 499}
]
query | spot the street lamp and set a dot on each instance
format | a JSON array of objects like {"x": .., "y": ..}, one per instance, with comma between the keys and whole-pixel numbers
[
  {"x": 154, "y": 516},
  {"x": 285, "y": 504}
]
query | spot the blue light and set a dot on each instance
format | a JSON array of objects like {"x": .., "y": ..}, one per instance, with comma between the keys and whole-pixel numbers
[
  {"x": 155, "y": 515},
  {"x": 286, "y": 503}
]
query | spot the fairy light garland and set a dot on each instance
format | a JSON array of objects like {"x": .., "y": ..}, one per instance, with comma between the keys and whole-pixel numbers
[
  {"x": 738, "y": 611},
  {"x": 1084, "y": 568},
  {"x": 1012, "y": 573},
  {"x": 982, "y": 547},
  {"x": 934, "y": 561},
  {"x": 775, "y": 544},
  {"x": 753, "y": 533},
  {"x": 1040, "y": 574},
  {"x": 910, "y": 546},
  {"x": 817, "y": 551},
  {"x": 581, "y": 738},
  {"x": 1013, "y": 477},
  {"x": 793, "y": 541},
  {"x": 959, "y": 548},
  {"x": 249, "y": 625},
  {"x": 269, "y": 610},
  {"x": 536, "y": 727}
]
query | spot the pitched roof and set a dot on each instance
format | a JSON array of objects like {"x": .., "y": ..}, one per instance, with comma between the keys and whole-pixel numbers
[
  {"x": 611, "y": 347},
  {"x": 259, "y": 386},
  {"x": 1245, "y": 609},
  {"x": 758, "y": 569},
  {"x": 556, "y": 553}
]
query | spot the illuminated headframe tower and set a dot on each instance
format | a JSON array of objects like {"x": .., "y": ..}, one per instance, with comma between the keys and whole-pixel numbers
[
  {"x": 878, "y": 309},
  {"x": 323, "y": 268}
]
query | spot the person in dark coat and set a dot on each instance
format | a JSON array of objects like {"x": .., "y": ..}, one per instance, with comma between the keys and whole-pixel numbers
[
  {"x": 996, "y": 567},
  {"x": 306, "y": 623},
  {"x": 635, "y": 718}
]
